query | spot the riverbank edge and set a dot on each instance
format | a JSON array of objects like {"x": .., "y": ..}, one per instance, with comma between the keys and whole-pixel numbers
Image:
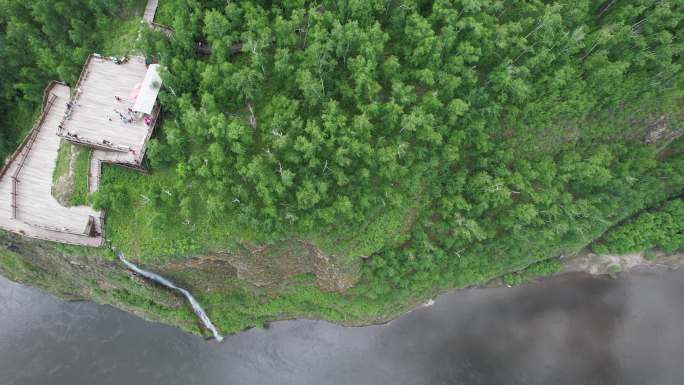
[
  {"x": 584, "y": 262},
  {"x": 74, "y": 274},
  {"x": 90, "y": 264}
]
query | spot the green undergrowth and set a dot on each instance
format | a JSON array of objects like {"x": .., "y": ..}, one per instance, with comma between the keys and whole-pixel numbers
[
  {"x": 234, "y": 305},
  {"x": 122, "y": 39},
  {"x": 614, "y": 270},
  {"x": 144, "y": 233},
  {"x": 62, "y": 162},
  {"x": 15, "y": 127},
  {"x": 537, "y": 270},
  {"x": 390, "y": 227},
  {"x": 238, "y": 306},
  {"x": 74, "y": 272},
  {"x": 18, "y": 269},
  {"x": 144, "y": 222},
  {"x": 661, "y": 227},
  {"x": 165, "y": 13},
  {"x": 80, "y": 195}
]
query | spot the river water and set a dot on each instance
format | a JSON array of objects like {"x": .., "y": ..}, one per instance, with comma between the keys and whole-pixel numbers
[{"x": 568, "y": 330}]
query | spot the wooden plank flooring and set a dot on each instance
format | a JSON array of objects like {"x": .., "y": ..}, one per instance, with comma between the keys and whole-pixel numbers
[
  {"x": 150, "y": 11},
  {"x": 96, "y": 116},
  {"x": 39, "y": 215}
]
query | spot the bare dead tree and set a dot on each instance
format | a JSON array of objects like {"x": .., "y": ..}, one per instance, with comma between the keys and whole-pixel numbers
[
  {"x": 605, "y": 8},
  {"x": 252, "y": 118}
]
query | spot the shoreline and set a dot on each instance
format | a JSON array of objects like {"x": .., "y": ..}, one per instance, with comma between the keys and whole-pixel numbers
[
  {"x": 595, "y": 265},
  {"x": 87, "y": 278},
  {"x": 583, "y": 263}
]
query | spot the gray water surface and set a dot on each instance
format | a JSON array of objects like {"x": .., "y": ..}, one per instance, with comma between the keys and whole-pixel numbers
[{"x": 569, "y": 330}]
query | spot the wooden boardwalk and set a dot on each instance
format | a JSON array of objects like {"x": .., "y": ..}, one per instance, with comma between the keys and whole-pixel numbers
[
  {"x": 150, "y": 10},
  {"x": 99, "y": 115},
  {"x": 148, "y": 18},
  {"x": 36, "y": 213}
]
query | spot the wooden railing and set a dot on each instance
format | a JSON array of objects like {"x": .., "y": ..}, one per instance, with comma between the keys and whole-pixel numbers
[
  {"x": 90, "y": 172},
  {"x": 155, "y": 116},
  {"x": 84, "y": 72},
  {"x": 161, "y": 28},
  {"x": 148, "y": 17},
  {"x": 11, "y": 159},
  {"x": 102, "y": 227},
  {"x": 14, "y": 198},
  {"x": 62, "y": 230},
  {"x": 75, "y": 93},
  {"x": 108, "y": 147},
  {"x": 51, "y": 239}
]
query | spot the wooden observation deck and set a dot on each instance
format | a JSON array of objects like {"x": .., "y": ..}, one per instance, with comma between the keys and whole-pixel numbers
[{"x": 100, "y": 112}]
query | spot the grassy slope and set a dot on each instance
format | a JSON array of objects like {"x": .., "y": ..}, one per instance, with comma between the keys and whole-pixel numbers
[
  {"x": 84, "y": 273},
  {"x": 78, "y": 189},
  {"x": 233, "y": 304},
  {"x": 659, "y": 227},
  {"x": 140, "y": 230},
  {"x": 80, "y": 194},
  {"x": 62, "y": 162}
]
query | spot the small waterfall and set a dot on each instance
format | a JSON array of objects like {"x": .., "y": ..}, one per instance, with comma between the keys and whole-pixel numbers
[{"x": 165, "y": 282}]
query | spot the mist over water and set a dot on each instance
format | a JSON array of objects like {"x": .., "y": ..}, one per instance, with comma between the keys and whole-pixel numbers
[{"x": 569, "y": 330}]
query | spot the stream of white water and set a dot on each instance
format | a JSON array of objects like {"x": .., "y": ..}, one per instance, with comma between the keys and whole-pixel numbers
[{"x": 204, "y": 318}]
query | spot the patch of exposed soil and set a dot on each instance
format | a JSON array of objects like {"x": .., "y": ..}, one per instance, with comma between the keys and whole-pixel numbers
[
  {"x": 201, "y": 272},
  {"x": 332, "y": 275},
  {"x": 200, "y": 262},
  {"x": 664, "y": 128},
  {"x": 268, "y": 267}
]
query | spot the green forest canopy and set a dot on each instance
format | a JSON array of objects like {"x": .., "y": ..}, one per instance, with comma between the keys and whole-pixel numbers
[
  {"x": 495, "y": 133},
  {"x": 662, "y": 228},
  {"x": 517, "y": 129}
]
